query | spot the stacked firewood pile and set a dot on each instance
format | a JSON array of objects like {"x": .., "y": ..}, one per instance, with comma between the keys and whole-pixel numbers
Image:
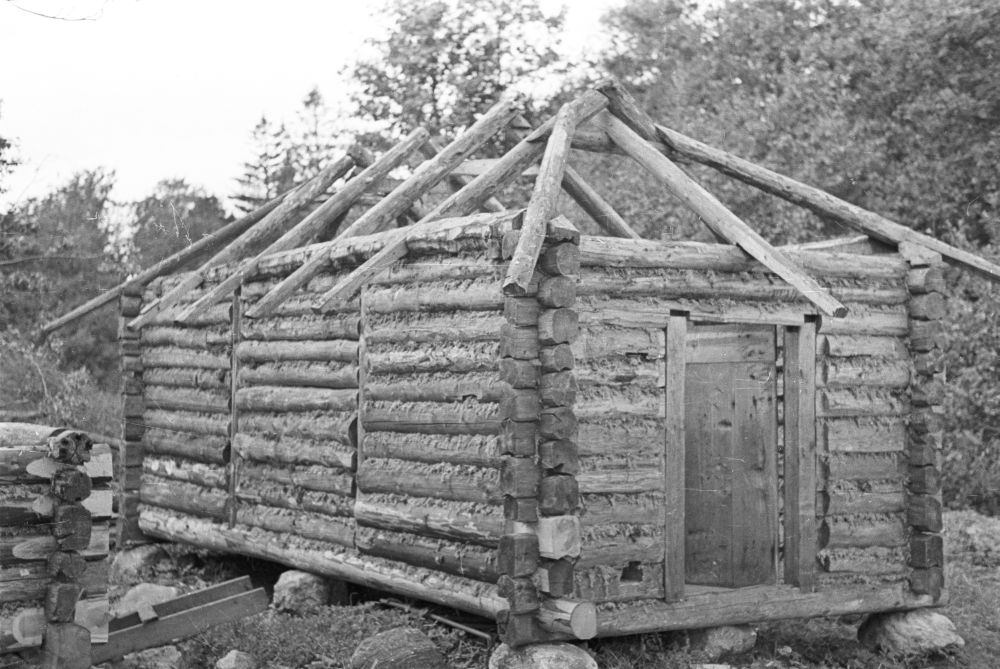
[{"x": 55, "y": 509}]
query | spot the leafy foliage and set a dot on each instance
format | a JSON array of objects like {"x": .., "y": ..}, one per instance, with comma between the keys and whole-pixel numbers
[
  {"x": 445, "y": 61},
  {"x": 173, "y": 217}
]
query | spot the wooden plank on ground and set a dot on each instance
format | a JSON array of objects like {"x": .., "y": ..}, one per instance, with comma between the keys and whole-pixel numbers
[
  {"x": 180, "y": 625},
  {"x": 189, "y": 601}
]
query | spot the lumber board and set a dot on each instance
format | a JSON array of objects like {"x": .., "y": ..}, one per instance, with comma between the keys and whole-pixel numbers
[
  {"x": 799, "y": 375},
  {"x": 180, "y": 625},
  {"x": 191, "y": 600}
]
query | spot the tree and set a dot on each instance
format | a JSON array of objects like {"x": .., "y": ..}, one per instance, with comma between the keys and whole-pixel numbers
[
  {"x": 443, "y": 62},
  {"x": 65, "y": 256},
  {"x": 271, "y": 171},
  {"x": 173, "y": 217}
]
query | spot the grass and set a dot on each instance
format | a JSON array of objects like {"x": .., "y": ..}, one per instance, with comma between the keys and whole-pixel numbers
[{"x": 327, "y": 640}]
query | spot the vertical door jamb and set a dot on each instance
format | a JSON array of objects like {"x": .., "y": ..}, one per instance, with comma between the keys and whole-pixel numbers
[
  {"x": 673, "y": 460},
  {"x": 800, "y": 455}
]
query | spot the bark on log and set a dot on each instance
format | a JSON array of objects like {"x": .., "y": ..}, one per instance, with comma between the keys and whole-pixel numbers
[
  {"x": 460, "y": 483},
  {"x": 612, "y": 252},
  {"x": 576, "y": 618},
  {"x": 327, "y": 426},
  {"x": 884, "y": 530},
  {"x": 168, "y": 356},
  {"x": 184, "y": 337},
  {"x": 476, "y": 450},
  {"x": 327, "y": 559},
  {"x": 331, "y": 529},
  {"x": 273, "y": 351},
  {"x": 307, "y": 477},
  {"x": 206, "y": 475},
  {"x": 184, "y": 497},
  {"x": 473, "y": 522},
  {"x": 433, "y": 418},
  {"x": 296, "y": 373},
  {"x": 461, "y": 559},
  {"x": 298, "y": 328},
  {"x": 544, "y": 200},
  {"x": 423, "y": 328},
  {"x": 289, "y": 450},
  {"x": 187, "y": 377},
  {"x": 202, "y": 448},
  {"x": 292, "y": 399},
  {"x": 187, "y": 422},
  {"x": 174, "y": 398}
]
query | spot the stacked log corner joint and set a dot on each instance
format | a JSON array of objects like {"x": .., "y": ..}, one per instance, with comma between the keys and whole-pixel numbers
[
  {"x": 133, "y": 429},
  {"x": 542, "y": 535},
  {"x": 926, "y": 308},
  {"x": 56, "y": 549}
]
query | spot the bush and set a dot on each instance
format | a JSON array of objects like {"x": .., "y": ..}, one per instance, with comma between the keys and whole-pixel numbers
[
  {"x": 34, "y": 389},
  {"x": 970, "y": 360}
]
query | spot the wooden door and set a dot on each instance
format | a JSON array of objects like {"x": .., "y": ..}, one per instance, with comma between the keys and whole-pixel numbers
[{"x": 730, "y": 439}]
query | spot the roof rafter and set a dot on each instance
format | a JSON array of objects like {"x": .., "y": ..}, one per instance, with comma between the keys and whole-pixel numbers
[
  {"x": 426, "y": 176},
  {"x": 315, "y": 222},
  {"x": 820, "y": 201},
  {"x": 266, "y": 228},
  {"x": 718, "y": 217}
]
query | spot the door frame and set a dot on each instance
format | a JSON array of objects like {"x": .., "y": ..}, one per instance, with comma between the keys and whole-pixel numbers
[{"x": 800, "y": 461}]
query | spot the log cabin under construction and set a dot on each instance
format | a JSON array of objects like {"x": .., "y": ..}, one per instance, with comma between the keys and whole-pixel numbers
[{"x": 575, "y": 435}]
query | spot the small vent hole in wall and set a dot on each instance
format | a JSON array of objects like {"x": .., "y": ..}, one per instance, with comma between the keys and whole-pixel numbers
[{"x": 632, "y": 572}]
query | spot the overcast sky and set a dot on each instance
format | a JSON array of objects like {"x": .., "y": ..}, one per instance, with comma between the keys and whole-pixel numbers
[{"x": 172, "y": 88}]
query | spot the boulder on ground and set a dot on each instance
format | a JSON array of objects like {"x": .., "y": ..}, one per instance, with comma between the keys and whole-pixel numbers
[
  {"x": 541, "y": 656},
  {"x": 236, "y": 659},
  {"x": 907, "y": 633},
  {"x": 399, "y": 648},
  {"x": 300, "y": 592},
  {"x": 711, "y": 643},
  {"x": 164, "y": 657},
  {"x": 141, "y": 598},
  {"x": 129, "y": 564}
]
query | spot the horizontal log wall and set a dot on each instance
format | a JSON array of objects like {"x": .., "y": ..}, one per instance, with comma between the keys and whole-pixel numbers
[
  {"x": 626, "y": 293},
  {"x": 295, "y": 411},
  {"x": 862, "y": 404},
  {"x": 430, "y": 456},
  {"x": 186, "y": 396}
]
